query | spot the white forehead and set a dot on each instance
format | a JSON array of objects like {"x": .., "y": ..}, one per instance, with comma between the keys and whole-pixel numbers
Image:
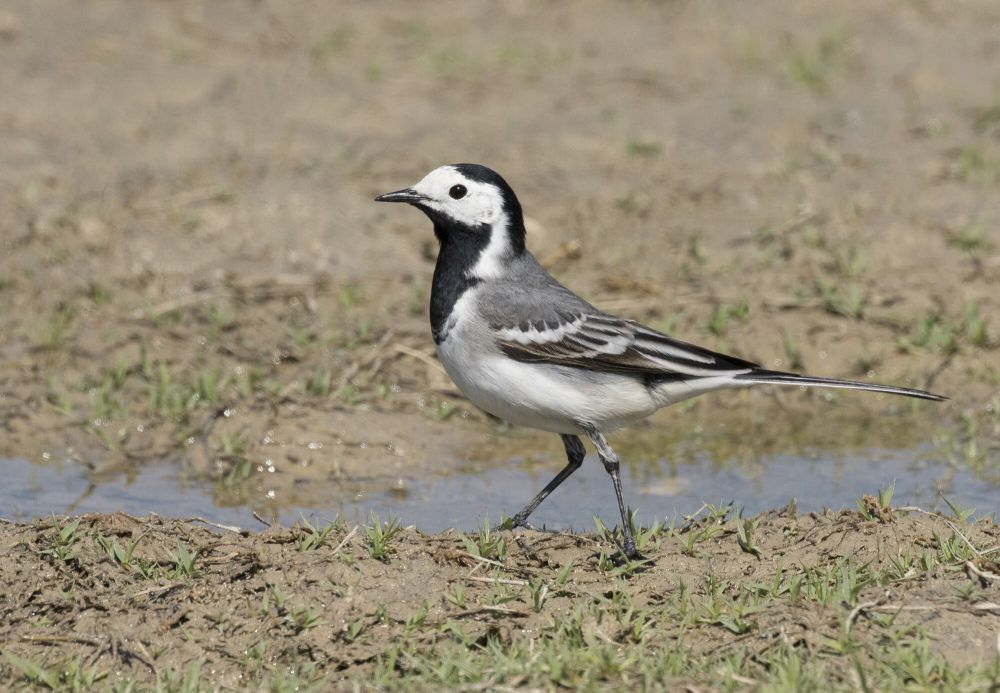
[{"x": 482, "y": 204}]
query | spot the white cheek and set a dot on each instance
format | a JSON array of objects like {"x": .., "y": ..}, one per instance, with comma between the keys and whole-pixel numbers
[{"x": 472, "y": 213}]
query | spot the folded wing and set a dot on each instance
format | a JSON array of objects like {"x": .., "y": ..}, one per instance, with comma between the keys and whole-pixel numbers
[{"x": 598, "y": 341}]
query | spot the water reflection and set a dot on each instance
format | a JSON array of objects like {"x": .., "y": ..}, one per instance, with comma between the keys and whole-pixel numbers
[{"x": 658, "y": 487}]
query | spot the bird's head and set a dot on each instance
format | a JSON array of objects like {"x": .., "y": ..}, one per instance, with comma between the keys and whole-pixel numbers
[{"x": 470, "y": 205}]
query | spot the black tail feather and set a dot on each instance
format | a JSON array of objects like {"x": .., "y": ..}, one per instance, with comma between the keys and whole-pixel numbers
[{"x": 779, "y": 378}]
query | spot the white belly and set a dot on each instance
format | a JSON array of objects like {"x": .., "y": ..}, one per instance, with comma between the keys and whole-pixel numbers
[{"x": 551, "y": 398}]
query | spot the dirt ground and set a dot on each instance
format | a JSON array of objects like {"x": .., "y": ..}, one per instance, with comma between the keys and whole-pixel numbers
[
  {"x": 193, "y": 273},
  {"x": 112, "y": 599}
]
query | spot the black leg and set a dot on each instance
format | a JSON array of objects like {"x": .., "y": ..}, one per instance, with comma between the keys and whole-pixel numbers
[
  {"x": 611, "y": 465},
  {"x": 575, "y": 452}
]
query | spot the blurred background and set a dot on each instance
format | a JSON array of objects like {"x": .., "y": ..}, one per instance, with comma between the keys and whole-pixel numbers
[{"x": 206, "y": 315}]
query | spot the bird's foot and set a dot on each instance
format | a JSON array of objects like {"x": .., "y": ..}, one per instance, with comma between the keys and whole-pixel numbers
[
  {"x": 629, "y": 550},
  {"x": 628, "y": 556},
  {"x": 518, "y": 520}
]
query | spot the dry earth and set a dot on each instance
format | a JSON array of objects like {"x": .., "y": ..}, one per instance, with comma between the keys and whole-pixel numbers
[{"x": 286, "y": 609}]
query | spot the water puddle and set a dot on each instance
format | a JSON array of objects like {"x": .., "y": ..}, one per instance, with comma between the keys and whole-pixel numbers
[{"x": 658, "y": 488}]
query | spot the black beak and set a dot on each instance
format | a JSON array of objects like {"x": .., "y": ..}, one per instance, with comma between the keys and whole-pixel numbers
[{"x": 407, "y": 195}]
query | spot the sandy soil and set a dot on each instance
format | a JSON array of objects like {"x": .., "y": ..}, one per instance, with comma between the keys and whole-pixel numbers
[{"x": 193, "y": 270}]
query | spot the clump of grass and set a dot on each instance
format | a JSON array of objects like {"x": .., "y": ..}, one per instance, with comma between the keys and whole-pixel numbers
[
  {"x": 977, "y": 167},
  {"x": 722, "y": 314},
  {"x": 303, "y": 618},
  {"x": 299, "y": 618},
  {"x": 184, "y": 560},
  {"x": 61, "y": 544},
  {"x": 353, "y": 630},
  {"x": 486, "y": 544},
  {"x": 59, "y": 327},
  {"x": 961, "y": 514},
  {"x": 933, "y": 332},
  {"x": 539, "y": 592},
  {"x": 272, "y": 594},
  {"x": 849, "y": 261},
  {"x": 976, "y": 326},
  {"x": 320, "y": 383},
  {"x": 72, "y": 675},
  {"x": 457, "y": 597},
  {"x": 695, "y": 531},
  {"x": 847, "y": 301},
  {"x": 58, "y": 397},
  {"x": 718, "y": 609},
  {"x": 839, "y": 582},
  {"x": 302, "y": 336},
  {"x": 953, "y": 548},
  {"x": 380, "y": 536},
  {"x": 105, "y": 392},
  {"x": 175, "y": 399},
  {"x": 312, "y": 537},
  {"x": 188, "y": 680},
  {"x": 690, "y": 539},
  {"x": 971, "y": 238},
  {"x": 416, "y": 620},
  {"x": 744, "y": 536},
  {"x": 792, "y": 352},
  {"x": 124, "y": 555}
]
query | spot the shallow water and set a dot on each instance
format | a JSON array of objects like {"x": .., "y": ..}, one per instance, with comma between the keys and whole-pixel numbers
[{"x": 659, "y": 489}]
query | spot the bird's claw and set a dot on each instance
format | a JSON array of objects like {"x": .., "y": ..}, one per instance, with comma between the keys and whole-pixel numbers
[
  {"x": 628, "y": 553},
  {"x": 516, "y": 522}
]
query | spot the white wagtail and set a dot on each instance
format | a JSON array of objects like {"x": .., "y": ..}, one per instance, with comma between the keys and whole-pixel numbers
[{"x": 526, "y": 349}]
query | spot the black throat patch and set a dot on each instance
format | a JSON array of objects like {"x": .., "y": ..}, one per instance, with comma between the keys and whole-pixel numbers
[{"x": 461, "y": 247}]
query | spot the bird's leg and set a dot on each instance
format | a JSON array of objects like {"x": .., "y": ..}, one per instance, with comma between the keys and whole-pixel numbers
[
  {"x": 575, "y": 452},
  {"x": 611, "y": 465}
]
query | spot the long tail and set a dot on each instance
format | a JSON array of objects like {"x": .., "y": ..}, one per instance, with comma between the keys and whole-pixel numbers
[{"x": 779, "y": 378}]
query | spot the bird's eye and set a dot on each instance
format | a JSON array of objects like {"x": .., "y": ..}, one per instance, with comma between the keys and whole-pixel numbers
[{"x": 457, "y": 192}]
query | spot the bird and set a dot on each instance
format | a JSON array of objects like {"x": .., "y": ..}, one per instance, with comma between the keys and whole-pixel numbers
[{"x": 528, "y": 350}]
